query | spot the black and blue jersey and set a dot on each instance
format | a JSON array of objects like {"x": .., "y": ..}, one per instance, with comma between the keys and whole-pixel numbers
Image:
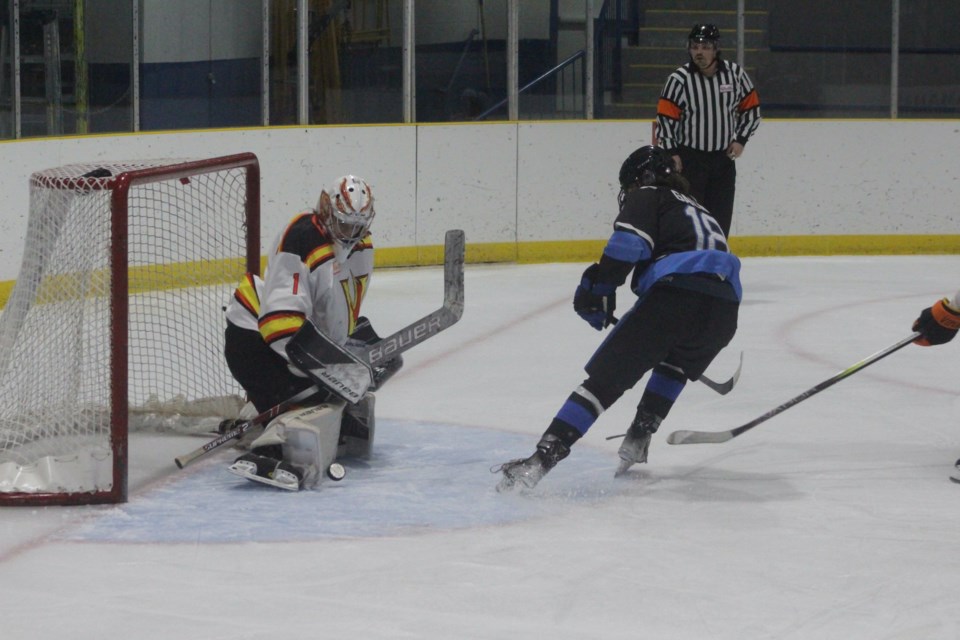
[{"x": 660, "y": 234}]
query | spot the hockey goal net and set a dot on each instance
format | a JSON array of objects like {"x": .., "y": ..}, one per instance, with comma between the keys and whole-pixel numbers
[{"x": 116, "y": 317}]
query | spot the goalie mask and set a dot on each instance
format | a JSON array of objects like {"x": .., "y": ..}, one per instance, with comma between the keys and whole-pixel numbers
[{"x": 346, "y": 210}]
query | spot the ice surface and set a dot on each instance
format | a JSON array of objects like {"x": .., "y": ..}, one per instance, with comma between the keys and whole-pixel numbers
[{"x": 835, "y": 519}]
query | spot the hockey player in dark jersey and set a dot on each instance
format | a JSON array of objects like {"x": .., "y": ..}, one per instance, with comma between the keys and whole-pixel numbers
[{"x": 688, "y": 288}]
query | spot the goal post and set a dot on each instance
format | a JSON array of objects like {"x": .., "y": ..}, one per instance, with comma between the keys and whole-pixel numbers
[{"x": 115, "y": 321}]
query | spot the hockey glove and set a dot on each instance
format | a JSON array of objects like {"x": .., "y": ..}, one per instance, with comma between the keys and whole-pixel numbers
[
  {"x": 364, "y": 335},
  {"x": 937, "y": 324},
  {"x": 595, "y": 301},
  {"x": 363, "y": 332}
]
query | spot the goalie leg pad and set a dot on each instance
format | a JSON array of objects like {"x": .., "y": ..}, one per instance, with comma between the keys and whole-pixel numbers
[
  {"x": 311, "y": 439},
  {"x": 308, "y": 438}
]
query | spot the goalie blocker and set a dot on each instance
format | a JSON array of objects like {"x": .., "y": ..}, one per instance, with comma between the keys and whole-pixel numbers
[{"x": 351, "y": 372}]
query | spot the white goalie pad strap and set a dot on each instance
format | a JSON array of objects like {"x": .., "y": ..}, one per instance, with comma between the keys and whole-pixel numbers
[{"x": 269, "y": 436}]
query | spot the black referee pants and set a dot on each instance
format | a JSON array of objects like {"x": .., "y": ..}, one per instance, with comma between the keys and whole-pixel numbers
[{"x": 713, "y": 181}]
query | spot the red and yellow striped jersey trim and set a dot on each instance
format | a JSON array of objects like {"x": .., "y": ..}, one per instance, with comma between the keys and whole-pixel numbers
[
  {"x": 280, "y": 325},
  {"x": 319, "y": 256},
  {"x": 246, "y": 295},
  {"x": 365, "y": 243},
  {"x": 354, "y": 289}
]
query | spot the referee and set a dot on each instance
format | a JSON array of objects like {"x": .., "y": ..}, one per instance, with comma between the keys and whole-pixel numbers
[{"x": 707, "y": 111}]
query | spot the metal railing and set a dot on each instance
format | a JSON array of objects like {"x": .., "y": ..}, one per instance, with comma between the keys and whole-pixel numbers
[{"x": 566, "y": 100}]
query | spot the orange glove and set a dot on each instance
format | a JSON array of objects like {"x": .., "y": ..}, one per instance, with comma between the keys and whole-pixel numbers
[{"x": 937, "y": 324}]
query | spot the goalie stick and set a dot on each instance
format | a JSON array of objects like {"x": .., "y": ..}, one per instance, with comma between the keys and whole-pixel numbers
[
  {"x": 697, "y": 437},
  {"x": 242, "y": 427},
  {"x": 348, "y": 372}
]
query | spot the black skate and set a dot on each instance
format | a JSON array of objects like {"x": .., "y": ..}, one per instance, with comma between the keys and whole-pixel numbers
[
  {"x": 636, "y": 444},
  {"x": 267, "y": 470},
  {"x": 525, "y": 473},
  {"x": 956, "y": 472}
]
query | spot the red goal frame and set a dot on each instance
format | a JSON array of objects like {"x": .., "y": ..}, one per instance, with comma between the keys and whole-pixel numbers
[{"x": 120, "y": 186}]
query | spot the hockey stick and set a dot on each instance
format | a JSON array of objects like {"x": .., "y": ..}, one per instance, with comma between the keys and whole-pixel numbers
[
  {"x": 349, "y": 373},
  {"x": 242, "y": 427},
  {"x": 723, "y": 388},
  {"x": 697, "y": 437}
]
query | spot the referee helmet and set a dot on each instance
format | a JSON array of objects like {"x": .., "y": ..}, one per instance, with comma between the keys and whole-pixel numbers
[{"x": 704, "y": 33}]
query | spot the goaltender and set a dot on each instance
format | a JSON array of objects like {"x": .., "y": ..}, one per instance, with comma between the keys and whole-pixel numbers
[{"x": 319, "y": 270}]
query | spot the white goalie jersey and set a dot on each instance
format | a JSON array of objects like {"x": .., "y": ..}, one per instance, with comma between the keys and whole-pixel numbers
[{"x": 308, "y": 276}]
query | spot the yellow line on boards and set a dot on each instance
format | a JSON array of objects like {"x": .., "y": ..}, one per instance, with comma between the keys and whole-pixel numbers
[{"x": 185, "y": 275}]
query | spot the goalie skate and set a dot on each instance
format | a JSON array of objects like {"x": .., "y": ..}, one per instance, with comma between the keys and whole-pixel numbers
[
  {"x": 269, "y": 471},
  {"x": 956, "y": 472},
  {"x": 294, "y": 448}
]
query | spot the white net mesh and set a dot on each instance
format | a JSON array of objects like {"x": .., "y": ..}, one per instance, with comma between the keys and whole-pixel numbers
[{"x": 186, "y": 248}]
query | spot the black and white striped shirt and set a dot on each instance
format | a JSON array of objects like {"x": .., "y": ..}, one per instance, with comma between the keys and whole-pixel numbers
[{"x": 707, "y": 113}]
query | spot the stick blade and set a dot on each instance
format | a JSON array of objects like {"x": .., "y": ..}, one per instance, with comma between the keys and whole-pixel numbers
[
  {"x": 698, "y": 437},
  {"x": 723, "y": 388},
  {"x": 453, "y": 258}
]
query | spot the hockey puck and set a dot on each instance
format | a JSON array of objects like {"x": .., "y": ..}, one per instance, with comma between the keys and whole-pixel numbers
[{"x": 336, "y": 472}]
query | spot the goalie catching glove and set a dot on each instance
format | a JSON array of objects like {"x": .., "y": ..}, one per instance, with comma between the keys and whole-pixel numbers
[
  {"x": 938, "y": 323},
  {"x": 595, "y": 301}
]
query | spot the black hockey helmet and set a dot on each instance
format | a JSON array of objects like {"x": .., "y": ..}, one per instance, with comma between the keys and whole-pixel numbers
[
  {"x": 645, "y": 167},
  {"x": 704, "y": 33}
]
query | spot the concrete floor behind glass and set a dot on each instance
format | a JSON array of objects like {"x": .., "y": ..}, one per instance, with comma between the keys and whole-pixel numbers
[{"x": 835, "y": 519}]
